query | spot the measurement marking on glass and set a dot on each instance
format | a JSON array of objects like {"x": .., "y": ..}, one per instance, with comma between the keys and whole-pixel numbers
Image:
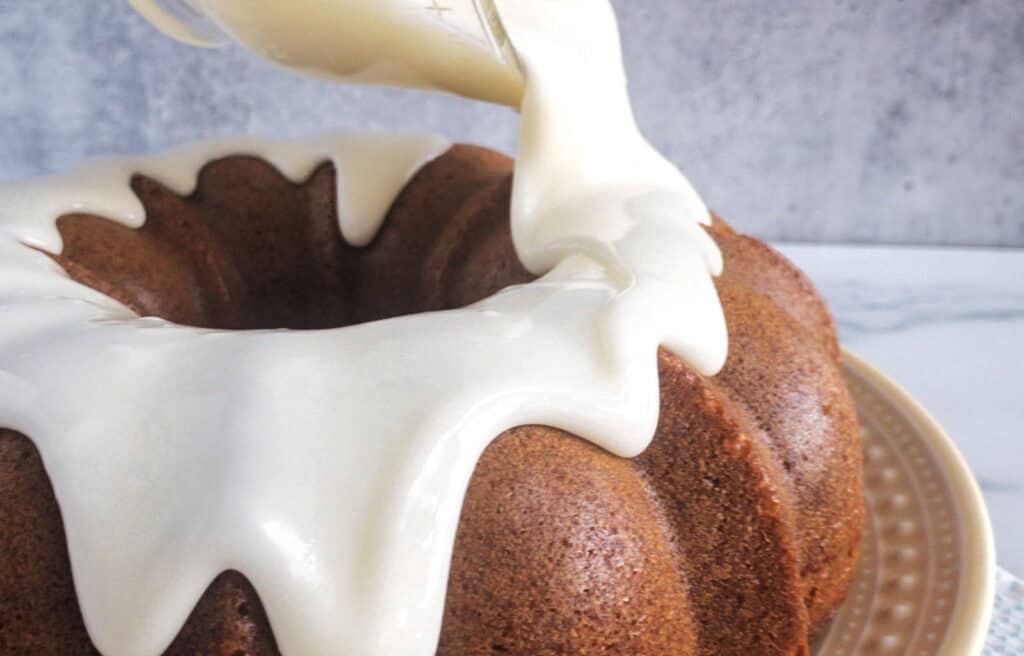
[{"x": 438, "y": 8}]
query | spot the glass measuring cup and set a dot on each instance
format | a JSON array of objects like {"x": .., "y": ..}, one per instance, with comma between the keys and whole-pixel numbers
[{"x": 457, "y": 46}]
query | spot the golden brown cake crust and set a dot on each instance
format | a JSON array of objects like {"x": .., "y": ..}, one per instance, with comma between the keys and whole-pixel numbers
[
  {"x": 736, "y": 533},
  {"x": 38, "y": 609}
]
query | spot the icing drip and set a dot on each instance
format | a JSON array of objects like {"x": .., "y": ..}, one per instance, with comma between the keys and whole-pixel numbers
[{"x": 163, "y": 442}]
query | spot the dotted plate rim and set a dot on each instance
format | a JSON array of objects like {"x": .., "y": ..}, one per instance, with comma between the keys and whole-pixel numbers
[{"x": 926, "y": 581}]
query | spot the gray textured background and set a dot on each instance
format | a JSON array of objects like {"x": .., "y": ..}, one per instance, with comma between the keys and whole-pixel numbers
[{"x": 871, "y": 121}]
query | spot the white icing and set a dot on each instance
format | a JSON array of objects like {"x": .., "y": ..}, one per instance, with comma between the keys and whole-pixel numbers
[
  {"x": 371, "y": 168},
  {"x": 330, "y": 466}
]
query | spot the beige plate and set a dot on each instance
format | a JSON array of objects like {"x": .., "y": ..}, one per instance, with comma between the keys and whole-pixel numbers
[{"x": 926, "y": 580}]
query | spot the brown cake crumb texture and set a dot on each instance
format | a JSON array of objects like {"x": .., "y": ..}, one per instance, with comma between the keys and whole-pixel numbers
[{"x": 737, "y": 532}]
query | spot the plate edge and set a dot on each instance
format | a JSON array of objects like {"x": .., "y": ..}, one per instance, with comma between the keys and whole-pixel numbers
[{"x": 973, "y": 611}]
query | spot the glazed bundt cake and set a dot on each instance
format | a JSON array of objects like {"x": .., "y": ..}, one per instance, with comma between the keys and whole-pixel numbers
[{"x": 736, "y": 532}]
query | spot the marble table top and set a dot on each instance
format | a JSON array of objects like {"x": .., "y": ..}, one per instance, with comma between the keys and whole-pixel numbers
[{"x": 947, "y": 325}]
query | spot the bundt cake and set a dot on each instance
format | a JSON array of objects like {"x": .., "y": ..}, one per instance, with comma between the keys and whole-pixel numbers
[
  {"x": 503, "y": 418},
  {"x": 736, "y": 532}
]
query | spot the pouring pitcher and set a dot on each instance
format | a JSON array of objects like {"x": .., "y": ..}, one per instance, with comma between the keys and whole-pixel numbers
[{"x": 458, "y": 46}]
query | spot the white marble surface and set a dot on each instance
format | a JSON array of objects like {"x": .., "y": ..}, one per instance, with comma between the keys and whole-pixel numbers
[{"x": 947, "y": 325}]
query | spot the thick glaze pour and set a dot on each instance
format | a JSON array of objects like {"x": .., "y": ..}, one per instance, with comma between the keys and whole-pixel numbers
[{"x": 163, "y": 442}]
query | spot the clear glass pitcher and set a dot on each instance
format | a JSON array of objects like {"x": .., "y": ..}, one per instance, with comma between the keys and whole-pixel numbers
[{"x": 457, "y": 46}]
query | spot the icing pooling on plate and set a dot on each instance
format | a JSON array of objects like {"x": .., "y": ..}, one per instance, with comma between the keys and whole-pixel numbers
[{"x": 330, "y": 466}]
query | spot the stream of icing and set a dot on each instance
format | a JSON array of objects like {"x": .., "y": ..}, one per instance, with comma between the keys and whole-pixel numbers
[{"x": 330, "y": 466}]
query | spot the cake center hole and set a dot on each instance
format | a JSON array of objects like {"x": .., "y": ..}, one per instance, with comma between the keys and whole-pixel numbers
[{"x": 250, "y": 250}]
